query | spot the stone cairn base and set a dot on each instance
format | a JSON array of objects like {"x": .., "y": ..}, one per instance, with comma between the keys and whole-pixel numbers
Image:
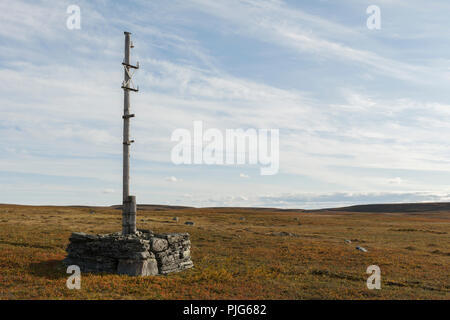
[{"x": 139, "y": 254}]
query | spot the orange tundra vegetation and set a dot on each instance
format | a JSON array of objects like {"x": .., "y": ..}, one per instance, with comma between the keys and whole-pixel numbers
[{"x": 239, "y": 253}]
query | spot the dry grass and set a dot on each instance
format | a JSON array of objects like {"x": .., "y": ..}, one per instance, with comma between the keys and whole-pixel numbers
[{"x": 235, "y": 258}]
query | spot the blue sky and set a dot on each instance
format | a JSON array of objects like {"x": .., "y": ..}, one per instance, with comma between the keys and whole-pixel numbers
[{"x": 363, "y": 114}]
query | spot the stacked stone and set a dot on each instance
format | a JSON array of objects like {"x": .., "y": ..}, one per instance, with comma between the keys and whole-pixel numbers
[
  {"x": 173, "y": 252},
  {"x": 142, "y": 253}
]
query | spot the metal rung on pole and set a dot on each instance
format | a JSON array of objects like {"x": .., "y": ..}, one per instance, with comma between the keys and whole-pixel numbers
[
  {"x": 131, "y": 66},
  {"x": 131, "y": 89}
]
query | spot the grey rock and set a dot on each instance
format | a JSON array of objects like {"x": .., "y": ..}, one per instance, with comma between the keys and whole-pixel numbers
[
  {"x": 165, "y": 259},
  {"x": 361, "y": 249},
  {"x": 176, "y": 267},
  {"x": 159, "y": 244},
  {"x": 284, "y": 234},
  {"x": 175, "y": 238},
  {"x": 186, "y": 254},
  {"x": 81, "y": 236},
  {"x": 142, "y": 255},
  {"x": 147, "y": 267}
]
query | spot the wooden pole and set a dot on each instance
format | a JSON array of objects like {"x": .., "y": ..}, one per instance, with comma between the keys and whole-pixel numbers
[
  {"x": 129, "y": 202},
  {"x": 126, "y": 124}
]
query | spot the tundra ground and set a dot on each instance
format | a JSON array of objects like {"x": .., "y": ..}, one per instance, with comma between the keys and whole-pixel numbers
[{"x": 238, "y": 254}]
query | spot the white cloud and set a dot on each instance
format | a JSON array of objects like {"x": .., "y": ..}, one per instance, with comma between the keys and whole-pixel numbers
[
  {"x": 172, "y": 179},
  {"x": 396, "y": 180}
]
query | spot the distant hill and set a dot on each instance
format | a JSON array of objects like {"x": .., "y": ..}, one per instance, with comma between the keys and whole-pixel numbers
[
  {"x": 160, "y": 207},
  {"x": 375, "y": 208},
  {"x": 396, "y": 207},
  {"x": 386, "y": 207}
]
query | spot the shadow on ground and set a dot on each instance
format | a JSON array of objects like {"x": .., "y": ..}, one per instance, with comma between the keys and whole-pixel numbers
[
  {"x": 50, "y": 269},
  {"x": 26, "y": 245}
]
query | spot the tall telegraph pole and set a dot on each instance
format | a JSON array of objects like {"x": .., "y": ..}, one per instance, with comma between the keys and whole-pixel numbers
[{"x": 129, "y": 202}]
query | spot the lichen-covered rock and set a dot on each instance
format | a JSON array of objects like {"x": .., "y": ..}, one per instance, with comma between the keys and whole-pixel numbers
[
  {"x": 159, "y": 244},
  {"x": 143, "y": 253}
]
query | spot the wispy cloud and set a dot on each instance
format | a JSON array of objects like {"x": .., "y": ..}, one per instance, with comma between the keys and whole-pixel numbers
[
  {"x": 277, "y": 23},
  {"x": 344, "y": 122}
]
